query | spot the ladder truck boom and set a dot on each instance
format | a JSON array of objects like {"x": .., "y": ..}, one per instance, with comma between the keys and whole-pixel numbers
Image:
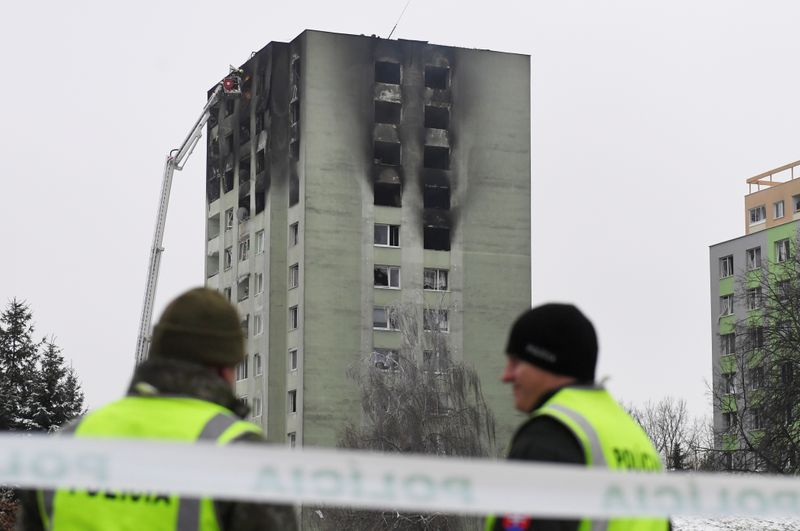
[{"x": 175, "y": 161}]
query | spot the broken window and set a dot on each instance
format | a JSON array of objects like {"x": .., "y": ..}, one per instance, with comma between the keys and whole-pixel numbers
[
  {"x": 227, "y": 181},
  {"x": 228, "y": 258},
  {"x": 436, "y": 157},
  {"x": 258, "y": 324},
  {"x": 258, "y": 282},
  {"x": 294, "y": 188},
  {"x": 244, "y": 249},
  {"x": 292, "y": 359},
  {"x": 436, "y": 197},
  {"x": 229, "y": 219},
  {"x": 294, "y": 112},
  {"x": 437, "y": 117},
  {"x": 386, "y": 153},
  {"x": 259, "y": 242},
  {"x": 436, "y": 238},
  {"x": 387, "y": 276},
  {"x": 435, "y": 320},
  {"x": 213, "y": 227},
  {"x": 386, "y": 72},
  {"x": 261, "y": 161},
  {"x": 385, "y": 359},
  {"x": 243, "y": 289},
  {"x": 387, "y": 235},
  {"x": 388, "y": 194},
  {"x": 244, "y": 132},
  {"x": 726, "y": 305},
  {"x": 294, "y": 149},
  {"x": 244, "y": 170},
  {"x": 384, "y": 318},
  {"x": 243, "y": 212},
  {"x": 212, "y": 264},
  {"x": 387, "y": 112},
  {"x": 259, "y": 122},
  {"x": 293, "y": 401},
  {"x": 212, "y": 187},
  {"x": 261, "y": 200},
  {"x": 753, "y": 258},
  {"x": 241, "y": 369},
  {"x": 294, "y": 233},
  {"x": 436, "y": 77},
  {"x": 294, "y": 275},
  {"x": 293, "y": 318},
  {"x": 434, "y": 279}
]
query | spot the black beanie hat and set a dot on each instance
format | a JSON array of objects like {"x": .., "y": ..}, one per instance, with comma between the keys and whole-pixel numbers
[
  {"x": 200, "y": 326},
  {"x": 557, "y": 338}
]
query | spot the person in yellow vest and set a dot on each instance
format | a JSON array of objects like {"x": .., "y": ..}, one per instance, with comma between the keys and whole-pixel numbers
[
  {"x": 183, "y": 392},
  {"x": 552, "y": 354}
]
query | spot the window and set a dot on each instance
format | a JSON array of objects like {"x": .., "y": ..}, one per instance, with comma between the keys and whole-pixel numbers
[
  {"x": 256, "y": 412},
  {"x": 227, "y": 259},
  {"x": 754, "y": 258},
  {"x": 227, "y": 293},
  {"x": 385, "y": 359},
  {"x": 729, "y": 380},
  {"x": 755, "y": 336},
  {"x": 292, "y": 359},
  {"x": 726, "y": 266},
  {"x": 387, "y": 276},
  {"x": 796, "y": 203},
  {"x": 777, "y": 209},
  {"x": 258, "y": 280},
  {"x": 787, "y": 373},
  {"x": 294, "y": 275},
  {"x": 436, "y": 77},
  {"x": 258, "y": 324},
  {"x": 783, "y": 290},
  {"x": 229, "y": 219},
  {"x": 244, "y": 249},
  {"x": 293, "y": 401},
  {"x": 757, "y": 377},
  {"x": 246, "y": 325},
  {"x": 435, "y": 279},
  {"x": 291, "y": 439},
  {"x": 258, "y": 368},
  {"x": 259, "y": 242},
  {"x": 387, "y": 235},
  {"x": 436, "y": 157},
  {"x": 436, "y": 238},
  {"x": 758, "y": 214},
  {"x": 294, "y": 233},
  {"x": 435, "y": 320},
  {"x": 730, "y": 419},
  {"x": 726, "y": 305},
  {"x": 782, "y": 250},
  {"x": 434, "y": 360},
  {"x": 293, "y": 318},
  {"x": 384, "y": 319},
  {"x": 387, "y": 112},
  {"x": 437, "y": 117},
  {"x": 243, "y": 289},
  {"x": 386, "y": 72},
  {"x": 241, "y": 370},
  {"x": 727, "y": 344},
  {"x": 753, "y": 298},
  {"x": 387, "y": 153},
  {"x": 757, "y": 418}
]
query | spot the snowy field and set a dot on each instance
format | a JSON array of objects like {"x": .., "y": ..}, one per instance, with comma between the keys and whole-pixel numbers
[{"x": 734, "y": 524}]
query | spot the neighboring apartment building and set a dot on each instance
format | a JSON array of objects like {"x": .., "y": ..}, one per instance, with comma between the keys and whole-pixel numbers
[
  {"x": 354, "y": 173},
  {"x": 737, "y": 268}
]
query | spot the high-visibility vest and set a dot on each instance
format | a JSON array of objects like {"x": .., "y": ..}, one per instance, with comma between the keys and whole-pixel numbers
[
  {"x": 161, "y": 418},
  {"x": 610, "y": 438}
]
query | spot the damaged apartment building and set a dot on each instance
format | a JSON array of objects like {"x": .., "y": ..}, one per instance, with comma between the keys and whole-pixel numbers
[{"x": 352, "y": 175}]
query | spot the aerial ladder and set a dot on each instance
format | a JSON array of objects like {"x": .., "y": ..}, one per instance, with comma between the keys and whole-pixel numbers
[{"x": 229, "y": 86}]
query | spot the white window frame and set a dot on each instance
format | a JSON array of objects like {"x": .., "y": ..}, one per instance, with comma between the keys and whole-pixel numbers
[
  {"x": 294, "y": 233},
  {"x": 292, "y": 359},
  {"x": 438, "y": 275},
  {"x": 244, "y": 249},
  {"x": 294, "y": 317},
  {"x": 259, "y": 242},
  {"x": 778, "y": 210},
  {"x": 758, "y": 214},
  {"x": 294, "y": 276},
  {"x": 226, "y": 292},
  {"x": 292, "y": 401},
  {"x": 388, "y": 322},
  {"x": 796, "y": 202},
  {"x": 243, "y": 289},
  {"x": 227, "y": 258},
  {"x": 753, "y": 258},
  {"x": 256, "y": 407},
  {"x": 258, "y": 366},
  {"x": 440, "y": 318},
  {"x": 258, "y": 324},
  {"x": 726, "y": 266},
  {"x": 392, "y": 273},
  {"x": 229, "y": 219},
  {"x": 391, "y": 235},
  {"x": 258, "y": 282},
  {"x": 782, "y": 250},
  {"x": 241, "y": 369},
  {"x": 725, "y": 305},
  {"x": 753, "y": 296},
  {"x": 727, "y": 346}
]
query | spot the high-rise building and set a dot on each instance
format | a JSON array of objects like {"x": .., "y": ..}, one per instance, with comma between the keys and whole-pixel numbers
[
  {"x": 355, "y": 174},
  {"x": 743, "y": 284}
]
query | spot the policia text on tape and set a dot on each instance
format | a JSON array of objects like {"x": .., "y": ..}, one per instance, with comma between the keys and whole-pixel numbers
[{"x": 145, "y": 472}]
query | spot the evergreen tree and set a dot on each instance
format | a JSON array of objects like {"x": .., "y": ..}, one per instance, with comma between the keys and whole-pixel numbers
[
  {"x": 19, "y": 354},
  {"x": 56, "y": 396}
]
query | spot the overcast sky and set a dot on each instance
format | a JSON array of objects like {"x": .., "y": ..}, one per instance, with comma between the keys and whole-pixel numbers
[{"x": 647, "y": 119}]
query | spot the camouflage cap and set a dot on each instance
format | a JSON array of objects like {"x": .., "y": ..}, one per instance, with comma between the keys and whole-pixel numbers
[{"x": 200, "y": 326}]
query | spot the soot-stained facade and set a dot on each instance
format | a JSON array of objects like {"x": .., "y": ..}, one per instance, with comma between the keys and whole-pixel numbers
[{"x": 355, "y": 175}]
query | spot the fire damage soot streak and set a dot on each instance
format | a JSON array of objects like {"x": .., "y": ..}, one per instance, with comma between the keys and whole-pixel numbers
[{"x": 387, "y": 487}]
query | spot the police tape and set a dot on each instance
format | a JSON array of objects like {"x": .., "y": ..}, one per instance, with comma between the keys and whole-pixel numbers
[{"x": 334, "y": 477}]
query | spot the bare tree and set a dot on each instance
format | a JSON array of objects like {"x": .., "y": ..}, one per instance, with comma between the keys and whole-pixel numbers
[
  {"x": 416, "y": 399},
  {"x": 755, "y": 391}
]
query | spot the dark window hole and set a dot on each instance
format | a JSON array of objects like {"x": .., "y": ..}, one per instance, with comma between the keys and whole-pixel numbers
[{"x": 386, "y": 72}]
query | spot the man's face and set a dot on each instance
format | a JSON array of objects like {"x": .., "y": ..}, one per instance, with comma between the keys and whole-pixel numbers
[{"x": 529, "y": 383}]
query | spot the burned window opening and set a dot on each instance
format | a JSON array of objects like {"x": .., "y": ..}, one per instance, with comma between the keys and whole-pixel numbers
[
  {"x": 243, "y": 212},
  {"x": 261, "y": 200},
  {"x": 212, "y": 189},
  {"x": 244, "y": 132},
  {"x": 227, "y": 182},
  {"x": 261, "y": 161},
  {"x": 244, "y": 170},
  {"x": 387, "y": 112},
  {"x": 436, "y": 77},
  {"x": 388, "y": 194},
  {"x": 386, "y": 72},
  {"x": 294, "y": 110},
  {"x": 213, "y": 147},
  {"x": 229, "y": 143},
  {"x": 436, "y": 197},
  {"x": 437, "y": 117},
  {"x": 387, "y": 153},
  {"x": 437, "y": 158},
  {"x": 296, "y": 70},
  {"x": 243, "y": 289},
  {"x": 437, "y": 238},
  {"x": 294, "y": 189},
  {"x": 229, "y": 106},
  {"x": 294, "y": 149},
  {"x": 259, "y": 122}
]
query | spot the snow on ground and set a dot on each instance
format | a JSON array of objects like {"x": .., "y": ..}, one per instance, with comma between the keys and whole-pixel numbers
[{"x": 734, "y": 524}]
